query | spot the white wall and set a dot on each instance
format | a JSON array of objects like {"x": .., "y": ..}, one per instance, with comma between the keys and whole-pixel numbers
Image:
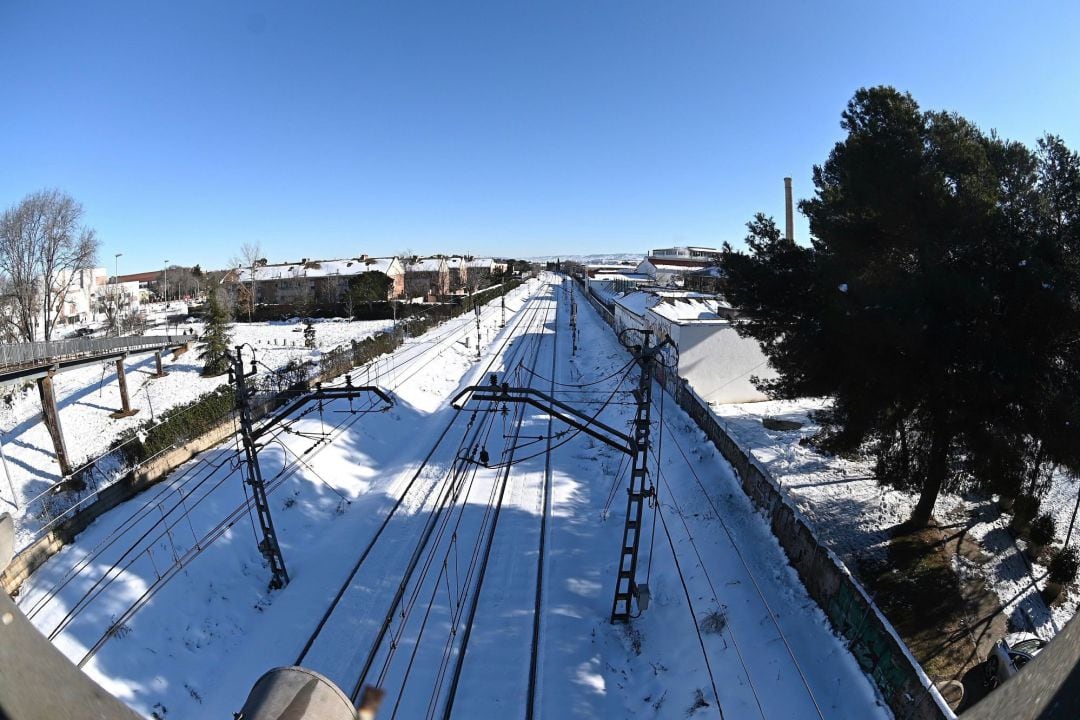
[{"x": 715, "y": 361}]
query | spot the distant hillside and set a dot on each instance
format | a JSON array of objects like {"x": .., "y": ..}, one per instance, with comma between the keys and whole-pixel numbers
[{"x": 600, "y": 259}]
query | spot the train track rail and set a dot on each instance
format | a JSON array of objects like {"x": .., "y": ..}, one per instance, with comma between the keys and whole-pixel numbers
[
  {"x": 439, "y": 481},
  {"x": 135, "y": 536}
]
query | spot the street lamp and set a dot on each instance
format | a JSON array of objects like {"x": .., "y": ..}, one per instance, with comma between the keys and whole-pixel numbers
[
  {"x": 116, "y": 281},
  {"x": 166, "y": 284}
]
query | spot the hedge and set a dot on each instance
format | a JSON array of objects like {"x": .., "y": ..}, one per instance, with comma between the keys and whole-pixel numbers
[{"x": 177, "y": 425}]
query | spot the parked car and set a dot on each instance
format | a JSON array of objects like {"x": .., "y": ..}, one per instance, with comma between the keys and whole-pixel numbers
[{"x": 1009, "y": 655}]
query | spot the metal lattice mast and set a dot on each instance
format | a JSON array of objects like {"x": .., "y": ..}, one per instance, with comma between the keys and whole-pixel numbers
[
  {"x": 268, "y": 546},
  {"x": 626, "y": 586}
]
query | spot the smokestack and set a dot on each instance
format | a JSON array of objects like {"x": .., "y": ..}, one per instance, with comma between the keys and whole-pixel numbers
[{"x": 789, "y": 220}]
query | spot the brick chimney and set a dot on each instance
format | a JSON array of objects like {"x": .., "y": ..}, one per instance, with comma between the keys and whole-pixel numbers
[{"x": 789, "y": 219}]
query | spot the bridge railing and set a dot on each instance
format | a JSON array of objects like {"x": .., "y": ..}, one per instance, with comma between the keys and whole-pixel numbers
[{"x": 39, "y": 353}]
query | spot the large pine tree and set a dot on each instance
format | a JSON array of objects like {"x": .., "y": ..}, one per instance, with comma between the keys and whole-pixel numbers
[
  {"x": 935, "y": 304},
  {"x": 217, "y": 338}
]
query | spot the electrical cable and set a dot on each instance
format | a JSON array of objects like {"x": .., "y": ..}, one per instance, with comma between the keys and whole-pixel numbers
[
  {"x": 750, "y": 575},
  {"x": 693, "y": 615}
]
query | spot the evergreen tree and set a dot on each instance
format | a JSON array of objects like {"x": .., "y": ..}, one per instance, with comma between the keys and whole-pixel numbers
[
  {"x": 371, "y": 287},
  {"x": 217, "y": 338},
  {"x": 932, "y": 304}
]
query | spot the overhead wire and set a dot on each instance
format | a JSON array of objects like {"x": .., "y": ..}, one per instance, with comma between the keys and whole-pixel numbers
[{"x": 753, "y": 579}]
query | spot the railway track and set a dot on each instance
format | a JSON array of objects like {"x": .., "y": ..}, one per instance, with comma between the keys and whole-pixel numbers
[
  {"x": 162, "y": 518},
  {"x": 441, "y": 482}
]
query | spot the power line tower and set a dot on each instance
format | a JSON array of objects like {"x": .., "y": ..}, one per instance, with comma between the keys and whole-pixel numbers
[
  {"x": 636, "y": 445},
  {"x": 627, "y": 588},
  {"x": 268, "y": 545}
]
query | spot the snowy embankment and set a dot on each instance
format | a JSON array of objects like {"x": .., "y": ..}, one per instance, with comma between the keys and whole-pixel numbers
[
  {"x": 853, "y": 514},
  {"x": 730, "y": 627},
  {"x": 88, "y": 395}
]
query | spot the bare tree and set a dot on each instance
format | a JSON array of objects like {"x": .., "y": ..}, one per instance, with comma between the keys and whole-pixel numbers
[
  {"x": 43, "y": 245},
  {"x": 181, "y": 281},
  {"x": 251, "y": 257},
  {"x": 9, "y": 327}
]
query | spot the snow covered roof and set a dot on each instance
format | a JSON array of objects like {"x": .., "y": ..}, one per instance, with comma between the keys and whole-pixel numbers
[
  {"x": 427, "y": 265},
  {"x": 637, "y": 302},
  {"x": 319, "y": 268},
  {"x": 710, "y": 271},
  {"x": 455, "y": 263},
  {"x": 627, "y": 276},
  {"x": 666, "y": 267},
  {"x": 482, "y": 263},
  {"x": 684, "y": 311}
]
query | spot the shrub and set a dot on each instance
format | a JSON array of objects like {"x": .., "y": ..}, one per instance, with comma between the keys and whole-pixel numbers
[
  {"x": 177, "y": 425},
  {"x": 1064, "y": 566},
  {"x": 1043, "y": 529}
]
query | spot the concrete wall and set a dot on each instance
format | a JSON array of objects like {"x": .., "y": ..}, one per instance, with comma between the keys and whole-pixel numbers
[{"x": 870, "y": 637}]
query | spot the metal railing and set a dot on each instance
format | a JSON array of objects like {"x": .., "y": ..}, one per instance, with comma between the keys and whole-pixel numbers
[{"x": 41, "y": 353}]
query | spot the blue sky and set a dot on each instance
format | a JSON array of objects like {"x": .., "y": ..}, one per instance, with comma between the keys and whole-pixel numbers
[{"x": 329, "y": 129}]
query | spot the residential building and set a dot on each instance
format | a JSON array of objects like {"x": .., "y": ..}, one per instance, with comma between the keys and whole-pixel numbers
[
  {"x": 314, "y": 281},
  {"x": 144, "y": 280},
  {"x": 456, "y": 273},
  {"x": 75, "y": 295},
  {"x": 478, "y": 272},
  {"x": 427, "y": 277}
]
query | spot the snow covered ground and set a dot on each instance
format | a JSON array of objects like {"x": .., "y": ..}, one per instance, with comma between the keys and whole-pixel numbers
[
  {"x": 87, "y": 395},
  {"x": 852, "y": 513},
  {"x": 729, "y": 627}
]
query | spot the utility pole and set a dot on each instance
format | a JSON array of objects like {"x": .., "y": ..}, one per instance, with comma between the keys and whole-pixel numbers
[
  {"x": 641, "y": 488},
  {"x": 476, "y": 310},
  {"x": 166, "y": 284},
  {"x": 573, "y": 323},
  {"x": 502, "y": 302},
  {"x": 268, "y": 546}
]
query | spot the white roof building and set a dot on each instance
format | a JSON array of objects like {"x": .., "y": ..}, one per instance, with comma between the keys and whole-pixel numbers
[
  {"x": 321, "y": 268},
  {"x": 714, "y": 359},
  {"x": 427, "y": 265}
]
